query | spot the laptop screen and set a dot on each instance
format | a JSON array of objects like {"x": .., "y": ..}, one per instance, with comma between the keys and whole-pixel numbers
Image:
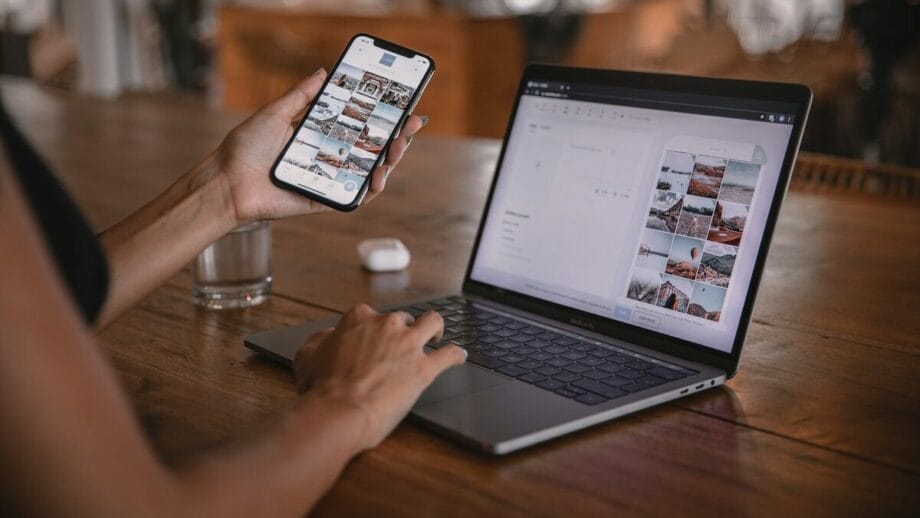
[{"x": 642, "y": 206}]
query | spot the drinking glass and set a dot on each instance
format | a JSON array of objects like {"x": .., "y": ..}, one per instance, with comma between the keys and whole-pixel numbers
[{"x": 235, "y": 270}]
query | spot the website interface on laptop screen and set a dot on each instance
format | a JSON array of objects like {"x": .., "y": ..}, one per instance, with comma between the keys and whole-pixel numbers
[{"x": 640, "y": 206}]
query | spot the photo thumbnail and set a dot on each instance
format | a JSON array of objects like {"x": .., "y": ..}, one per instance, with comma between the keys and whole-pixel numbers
[
  {"x": 398, "y": 95},
  {"x": 717, "y": 264},
  {"x": 695, "y": 216},
  {"x": 346, "y": 77},
  {"x": 707, "y": 176},
  {"x": 706, "y": 301},
  {"x": 674, "y": 293},
  {"x": 306, "y": 137},
  {"x": 323, "y": 169},
  {"x": 739, "y": 182},
  {"x": 685, "y": 256},
  {"x": 675, "y": 172},
  {"x": 654, "y": 250},
  {"x": 333, "y": 152},
  {"x": 359, "y": 107},
  {"x": 346, "y": 129},
  {"x": 300, "y": 155},
  {"x": 665, "y": 211},
  {"x": 373, "y": 85},
  {"x": 359, "y": 161},
  {"x": 728, "y": 222},
  {"x": 644, "y": 286}
]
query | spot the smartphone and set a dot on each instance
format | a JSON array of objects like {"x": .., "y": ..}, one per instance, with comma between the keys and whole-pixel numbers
[{"x": 346, "y": 131}]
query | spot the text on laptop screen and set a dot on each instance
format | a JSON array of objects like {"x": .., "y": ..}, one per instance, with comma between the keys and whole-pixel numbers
[{"x": 640, "y": 206}]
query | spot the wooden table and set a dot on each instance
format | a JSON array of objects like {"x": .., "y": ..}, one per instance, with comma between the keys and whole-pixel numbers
[{"x": 823, "y": 417}]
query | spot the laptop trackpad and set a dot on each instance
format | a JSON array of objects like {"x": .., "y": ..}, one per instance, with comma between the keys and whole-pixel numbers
[{"x": 457, "y": 381}]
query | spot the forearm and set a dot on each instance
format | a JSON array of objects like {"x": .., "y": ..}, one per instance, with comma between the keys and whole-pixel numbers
[
  {"x": 286, "y": 472},
  {"x": 151, "y": 245}
]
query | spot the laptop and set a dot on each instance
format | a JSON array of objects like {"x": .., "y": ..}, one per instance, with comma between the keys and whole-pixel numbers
[{"x": 618, "y": 255}]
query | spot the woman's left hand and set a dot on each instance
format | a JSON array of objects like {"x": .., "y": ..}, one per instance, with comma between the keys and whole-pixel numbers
[{"x": 249, "y": 151}]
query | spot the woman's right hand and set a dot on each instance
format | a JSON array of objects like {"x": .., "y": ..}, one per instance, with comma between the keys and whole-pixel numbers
[{"x": 376, "y": 365}]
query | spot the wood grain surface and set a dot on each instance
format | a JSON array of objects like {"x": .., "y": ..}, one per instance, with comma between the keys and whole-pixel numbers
[{"x": 821, "y": 419}]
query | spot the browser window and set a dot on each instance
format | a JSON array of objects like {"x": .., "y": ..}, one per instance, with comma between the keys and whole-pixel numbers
[{"x": 640, "y": 206}]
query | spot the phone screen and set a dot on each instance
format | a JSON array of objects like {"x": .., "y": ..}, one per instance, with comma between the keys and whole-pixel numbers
[{"x": 348, "y": 127}]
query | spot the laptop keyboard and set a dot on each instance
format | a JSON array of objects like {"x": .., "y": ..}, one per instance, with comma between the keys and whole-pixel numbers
[{"x": 570, "y": 367}]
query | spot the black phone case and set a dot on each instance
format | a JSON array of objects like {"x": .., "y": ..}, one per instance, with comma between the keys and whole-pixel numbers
[{"x": 362, "y": 192}]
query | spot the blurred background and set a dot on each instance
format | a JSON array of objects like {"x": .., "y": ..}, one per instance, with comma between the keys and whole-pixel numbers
[{"x": 861, "y": 57}]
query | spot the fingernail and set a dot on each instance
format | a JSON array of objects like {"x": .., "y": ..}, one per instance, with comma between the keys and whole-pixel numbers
[
  {"x": 424, "y": 120},
  {"x": 466, "y": 353},
  {"x": 386, "y": 172},
  {"x": 409, "y": 140},
  {"x": 319, "y": 71}
]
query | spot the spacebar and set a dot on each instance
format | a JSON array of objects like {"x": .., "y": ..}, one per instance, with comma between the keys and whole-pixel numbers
[{"x": 485, "y": 361}]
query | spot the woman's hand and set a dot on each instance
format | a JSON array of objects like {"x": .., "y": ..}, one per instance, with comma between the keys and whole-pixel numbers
[
  {"x": 246, "y": 155},
  {"x": 375, "y": 363}
]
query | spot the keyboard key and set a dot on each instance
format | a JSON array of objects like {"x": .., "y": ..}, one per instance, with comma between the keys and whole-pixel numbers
[
  {"x": 614, "y": 381},
  {"x": 639, "y": 365},
  {"x": 551, "y": 384},
  {"x": 566, "y": 393},
  {"x": 489, "y": 327},
  {"x": 663, "y": 372},
  {"x": 537, "y": 343},
  {"x": 513, "y": 358},
  {"x": 630, "y": 374},
  {"x": 583, "y": 347},
  {"x": 596, "y": 375},
  {"x": 575, "y": 389},
  {"x": 501, "y": 320},
  {"x": 548, "y": 335},
  {"x": 548, "y": 370},
  {"x": 532, "y": 377},
  {"x": 505, "y": 333},
  {"x": 610, "y": 367},
  {"x": 529, "y": 364},
  {"x": 506, "y": 344},
  {"x": 590, "y": 399},
  {"x": 512, "y": 370},
  {"x": 555, "y": 349},
  {"x": 565, "y": 340},
  {"x": 573, "y": 355},
  {"x": 477, "y": 346},
  {"x": 599, "y": 388},
  {"x": 632, "y": 387},
  {"x": 531, "y": 330},
  {"x": 521, "y": 338},
  {"x": 463, "y": 340},
  {"x": 484, "y": 361},
  {"x": 577, "y": 368},
  {"x": 567, "y": 377},
  {"x": 600, "y": 353},
  {"x": 541, "y": 356},
  {"x": 455, "y": 318},
  {"x": 558, "y": 362},
  {"x": 515, "y": 326},
  {"x": 619, "y": 358},
  {"x": 592, "y": 361},
  {"x": 649, "y": 381},
  {"x": 524, "y": 350},
  {"x": 495, "y": 353},
  {"x": 490, "y": 339}
]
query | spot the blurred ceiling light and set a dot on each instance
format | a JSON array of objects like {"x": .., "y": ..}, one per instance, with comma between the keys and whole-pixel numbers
[{"x": 771, "y": 25}]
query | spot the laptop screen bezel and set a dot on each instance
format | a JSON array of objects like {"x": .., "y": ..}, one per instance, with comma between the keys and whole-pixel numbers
[{"x": 796, "y": 94}]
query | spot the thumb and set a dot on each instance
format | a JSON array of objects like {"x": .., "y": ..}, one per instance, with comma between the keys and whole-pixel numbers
[
  {"x": 444, "y": 358},
  {"x": 292, "y": 103}
]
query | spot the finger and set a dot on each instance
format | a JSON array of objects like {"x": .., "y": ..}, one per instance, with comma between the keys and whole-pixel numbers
[
  {"x": 297, "y": 98},
  {"x": 444, "y": 358},
  {"x": 359, "y": 313},
  {"x": 314, "y": 340},
  {"x": 429, "y": 327}
]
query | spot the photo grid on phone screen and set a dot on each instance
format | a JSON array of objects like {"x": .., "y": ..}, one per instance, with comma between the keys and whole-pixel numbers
[
  {"x": 693, "y": 230},
  {"x": 349, "y": 125}
]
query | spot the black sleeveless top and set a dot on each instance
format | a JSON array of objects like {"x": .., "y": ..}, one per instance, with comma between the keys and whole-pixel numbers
[{"x": 69, "y": 239}]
